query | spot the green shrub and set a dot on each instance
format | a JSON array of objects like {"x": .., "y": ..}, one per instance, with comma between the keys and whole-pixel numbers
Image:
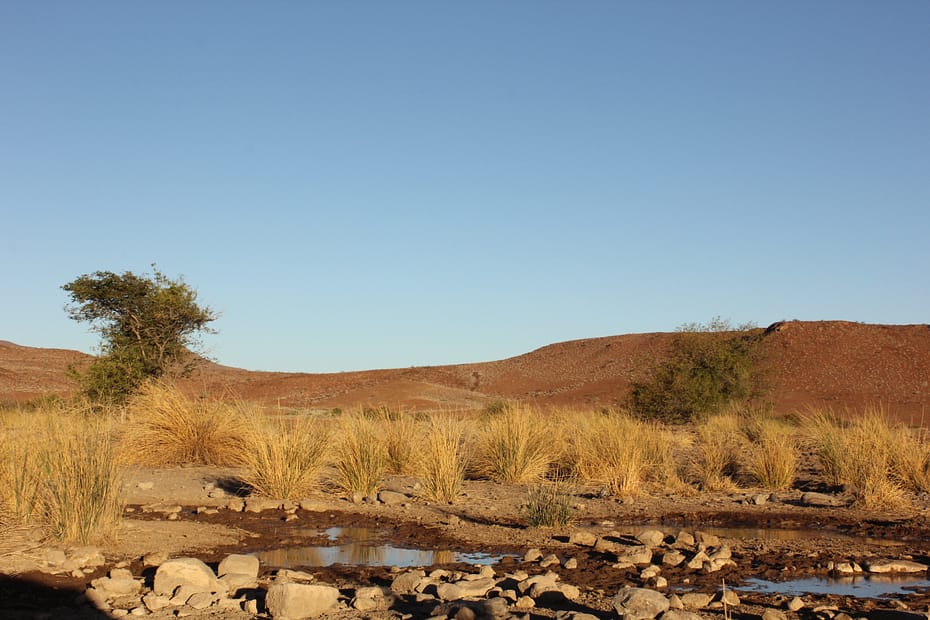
[
  {"x": 548, "y": 504},
  {"x": 708, "y": 367}
]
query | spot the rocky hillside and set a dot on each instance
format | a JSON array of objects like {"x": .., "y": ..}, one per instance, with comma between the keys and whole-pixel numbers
[{"x": 834, "y": 364}]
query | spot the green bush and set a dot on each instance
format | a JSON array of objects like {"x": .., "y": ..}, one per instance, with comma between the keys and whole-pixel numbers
[{"x": 708, "y": 366}]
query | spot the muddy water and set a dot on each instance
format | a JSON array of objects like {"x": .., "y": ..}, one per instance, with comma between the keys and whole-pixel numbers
[
  {"x": 359, "y": 546},
  {"x": 861, "y": 586}
]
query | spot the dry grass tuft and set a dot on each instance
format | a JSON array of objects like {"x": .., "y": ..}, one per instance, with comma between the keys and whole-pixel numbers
[
  {"x": 549, "y": 504},
  {"x": 58, "y": 469},
  {"x": 773, "y": 458},
  {"x": 361, "y": 456},
  {"x": 284, "y": 457},
  {"x": 614, "y": 450},
  {"x": 515, "y": 446},
  {"x": 715, "y": 460},
  {"x": 443, "y": 457},
  {"x": 81, "y": 482},
  {"x": 167, "y": 427},
  {"x": 864, "y": 455}
]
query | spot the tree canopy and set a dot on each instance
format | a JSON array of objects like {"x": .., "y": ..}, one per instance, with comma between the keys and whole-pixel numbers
[{"x": 149, "y": 324}]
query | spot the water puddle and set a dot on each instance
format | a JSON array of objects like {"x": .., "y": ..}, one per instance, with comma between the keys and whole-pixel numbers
[
  {"x": 779, "y": 534},
  {"x": 871, "y": 586},
  {"x": 364, "y": 547}
]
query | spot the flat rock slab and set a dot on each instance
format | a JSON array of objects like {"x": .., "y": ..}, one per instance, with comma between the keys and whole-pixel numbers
[{"x": 896, "y": 566}]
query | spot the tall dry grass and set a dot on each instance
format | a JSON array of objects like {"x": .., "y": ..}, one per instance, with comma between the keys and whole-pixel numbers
[
  {"x": 773, "y": 458},
  {"x": 58, "y": 469},
  {"x": 714, "y": 461},
  {"x": 443, "y": 457},
  {"x": 81, "y": 480},
  {"x": 165, "y": 426},
  {"x": 284, "y": 457},
  {"x": 515, "y": 446},
  {"x": 615, "y": 451},
  {"x": 361, "y": 457},
  {"x": 862, "y": 454}
]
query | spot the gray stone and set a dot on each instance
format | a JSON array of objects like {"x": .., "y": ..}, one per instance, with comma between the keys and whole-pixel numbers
[
  {"x": 684, "y": 539},
  {"x": 774, "y": 614},
  {"x": 189, "y": 572},
  {"x": 673, "y": 557},
  {"x": 823, "y": 500},
  {"x": 584, "y": 539},
  {"x": 639, "y": 604},
  {"x": 239, "y": 563},
  {"x": 261, "y": 504},
  {"x": 119, "y": 583},
  {"x": 795, "y": 604},
  {"x": 651, "y": 538},
  {"x": 549, "y": 560},
  {"x": 201, "y": 600},
  {"x": 533, "y": 555},
  {"x": 495, "y": 608},
  {"x": 406, "y": 583},
  {"x": 372, "y": 598},
  {"x": 156, "y": 558},
  {"x": 293, "y": 601},
  {"x": 392, "y": 498},
  {"x": 680, "y": 614},
  {"x": 896, "y": 566},
  {"x": 155, "y": 602},
  {"x": 635, "y": 556},
  {"x": 235, "y": 582},
  {"x": 464, "y": 589},
  {"x": 706, "y": 538},
  {"x": 695, "y": 600}
]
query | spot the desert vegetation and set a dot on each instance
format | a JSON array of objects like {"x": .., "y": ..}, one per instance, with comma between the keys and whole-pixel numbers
[{"x": 60, "y": 462}]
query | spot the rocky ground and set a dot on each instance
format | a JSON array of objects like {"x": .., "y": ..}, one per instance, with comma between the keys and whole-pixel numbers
[{"x": 668, "y": 554}]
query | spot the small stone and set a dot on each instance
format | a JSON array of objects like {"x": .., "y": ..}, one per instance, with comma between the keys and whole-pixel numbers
[
  {"x": 650, "y": 538},
  {"x": 570, "y": 563},
  {"x": 533, "y": 555},
  {"x": 583, "y": 539},
  {"x": 639, "y": 604},
  {"x": 795, "y": 604},
  {"x": 525, "y": 602},
  {"x": 549, "y": 560}
]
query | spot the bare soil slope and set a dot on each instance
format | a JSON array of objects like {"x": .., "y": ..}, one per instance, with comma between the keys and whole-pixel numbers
[{"x": 835, "y": 364}]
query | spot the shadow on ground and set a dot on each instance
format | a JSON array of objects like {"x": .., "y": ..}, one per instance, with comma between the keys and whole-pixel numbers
[{"x": 26, "y": 597}]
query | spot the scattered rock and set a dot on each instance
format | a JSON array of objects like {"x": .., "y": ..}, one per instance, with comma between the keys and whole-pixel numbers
[
  {"x": 239, "y": 563},
  {"x": 896, "y": 566},
  {"x": 189, "y": 572},
  {"x": 392, "y": 498},
  {"x": 261, "y": 504},
  {"x": 292, "y": 601},
  {"x": 695, "y": 600},
  {"x": 583, "y": 539},
  {"x": 795, "y": 604},
  {"x": 812, "y": 498},
  {"x": 406, "y": 583},
  {"x": 651, "y": 538},
  {"x": 639, "y": 604}
]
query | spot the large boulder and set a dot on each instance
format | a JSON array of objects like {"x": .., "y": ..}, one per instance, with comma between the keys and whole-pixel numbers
[
  {"x": 189, "y": 572},
  {"x": 295, "y": 601},
  {"x": 639, "y": 604}
]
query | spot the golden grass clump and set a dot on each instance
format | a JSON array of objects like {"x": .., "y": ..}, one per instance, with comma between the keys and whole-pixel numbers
[
  {"x": 773, "y": 458},
  {"x": 165, "y": 426},
  {"x": 715, "y": 457},
  {"x": 361, "y": 457},
  {"x": 81, "y": 482},
  {"x": 863, "y": 454},
  {"x": 443, "y": 457},
  {"x": 515, "y": 446},
  {"x": 614, "y": 451},
  {"x": 549, "y": 503},
  {"x": 58, "y": 470},
  {"x": 284, "y": 457}
]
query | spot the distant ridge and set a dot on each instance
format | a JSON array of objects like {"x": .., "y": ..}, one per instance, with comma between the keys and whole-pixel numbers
[{"x": 836, "y": 364}]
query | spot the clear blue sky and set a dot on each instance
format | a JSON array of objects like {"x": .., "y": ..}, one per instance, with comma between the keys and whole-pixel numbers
[{"x": 359, "y": 185}]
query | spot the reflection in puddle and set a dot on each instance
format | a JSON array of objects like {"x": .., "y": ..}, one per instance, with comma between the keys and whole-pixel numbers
[
  {"x": 871, "y": 586},
  {"x": 780, "y": 534},
  {"x": 364, "y": 548}
]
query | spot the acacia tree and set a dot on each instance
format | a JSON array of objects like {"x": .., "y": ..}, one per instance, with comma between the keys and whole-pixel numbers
[{"x": 149, "y": 325}]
